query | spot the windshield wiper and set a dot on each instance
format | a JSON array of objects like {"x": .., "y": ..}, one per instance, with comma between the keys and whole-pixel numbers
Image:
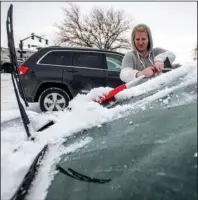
[
  {"x": 76, "y": 175},
  {"x": 24, "y": 187}
]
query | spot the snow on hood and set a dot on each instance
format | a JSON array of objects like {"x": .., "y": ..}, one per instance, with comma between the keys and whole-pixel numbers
[{"x": 188, "y": 70}]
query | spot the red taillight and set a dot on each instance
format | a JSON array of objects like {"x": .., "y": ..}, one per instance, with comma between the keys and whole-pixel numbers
[{"x": 23, "y": 70}]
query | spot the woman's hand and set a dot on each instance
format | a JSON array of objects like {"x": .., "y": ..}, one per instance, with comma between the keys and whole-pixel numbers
[
  {"x": 159, "y": 65},
  {"x": 147, "y": 72}
]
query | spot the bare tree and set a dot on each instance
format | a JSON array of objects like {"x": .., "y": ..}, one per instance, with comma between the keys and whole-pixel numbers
[{"x": 102, "y": 29}]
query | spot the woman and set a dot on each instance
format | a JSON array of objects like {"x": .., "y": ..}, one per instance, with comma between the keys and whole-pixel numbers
[{"x": 144, "y": 57}]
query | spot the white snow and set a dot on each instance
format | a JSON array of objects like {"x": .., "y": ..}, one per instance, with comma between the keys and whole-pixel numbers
[
  {"x": 17, "y": 153},
  {"x": 48, "y": 168},
  {"x": 157, "y": 82}
]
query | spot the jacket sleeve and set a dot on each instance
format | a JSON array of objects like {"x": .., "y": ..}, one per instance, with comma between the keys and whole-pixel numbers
[
  {"x": 162, "y": 54},
  {"x": 128, "y": 72}
]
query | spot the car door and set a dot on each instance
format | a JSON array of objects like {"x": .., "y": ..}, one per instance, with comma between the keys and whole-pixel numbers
[
  {"x": 113, "y": 64},
  {"x": 87, "y": 71},
  {"x": 49, "y": 69}
]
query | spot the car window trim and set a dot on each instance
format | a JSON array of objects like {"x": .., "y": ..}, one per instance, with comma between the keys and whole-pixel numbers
[
  {"x": 72, "y": 66},
  {"x": 38, "y": 62}
]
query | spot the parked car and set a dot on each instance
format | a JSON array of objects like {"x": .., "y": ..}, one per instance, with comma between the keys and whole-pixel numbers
[
  {"x": 54, "y": 75},
  {"x": 5, "y": 65}
]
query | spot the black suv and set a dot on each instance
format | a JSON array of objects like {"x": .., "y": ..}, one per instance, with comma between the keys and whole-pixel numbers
[{"x": 54, "y": 75}]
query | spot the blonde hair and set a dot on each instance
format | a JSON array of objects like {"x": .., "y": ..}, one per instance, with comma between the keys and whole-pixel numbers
[{"x": 140, "y": 28}]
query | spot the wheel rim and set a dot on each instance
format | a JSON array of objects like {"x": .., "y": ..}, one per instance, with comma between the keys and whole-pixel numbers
[{"x": 54, "y": 102}]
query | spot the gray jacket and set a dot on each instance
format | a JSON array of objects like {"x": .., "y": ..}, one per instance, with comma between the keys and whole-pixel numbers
[{"x": 134, "y": 62}]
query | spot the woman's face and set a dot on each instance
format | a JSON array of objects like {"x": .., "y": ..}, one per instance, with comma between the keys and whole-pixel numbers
[{"x": 141, "y": 41}]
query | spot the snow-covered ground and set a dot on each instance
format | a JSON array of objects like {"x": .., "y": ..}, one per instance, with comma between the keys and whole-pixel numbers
[{"x": 17, "y": 153}]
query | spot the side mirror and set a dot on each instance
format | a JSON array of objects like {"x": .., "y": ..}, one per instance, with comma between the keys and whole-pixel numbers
[{"x": 167, "y": 64}]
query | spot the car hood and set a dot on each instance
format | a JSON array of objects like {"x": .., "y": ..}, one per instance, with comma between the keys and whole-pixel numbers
[{"x": 147, "y": 155}]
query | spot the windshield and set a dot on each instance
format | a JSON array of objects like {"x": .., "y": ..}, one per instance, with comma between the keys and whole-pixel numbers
[
  {"x": 144, "y": 156},
  {"x": 148, "y": 153}
]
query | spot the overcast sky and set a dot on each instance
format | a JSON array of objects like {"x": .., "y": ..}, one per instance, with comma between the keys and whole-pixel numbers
[{"x": 173, "y": 24}]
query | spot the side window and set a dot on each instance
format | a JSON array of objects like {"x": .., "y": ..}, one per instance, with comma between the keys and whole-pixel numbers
[
  {"x": 57, "y": 58},
  {"x": 114, "y": 62},
  {"x": 87, "y": 59}
]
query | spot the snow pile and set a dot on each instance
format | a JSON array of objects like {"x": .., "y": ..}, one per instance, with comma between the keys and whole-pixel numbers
[{"x": 189, "y": 70}]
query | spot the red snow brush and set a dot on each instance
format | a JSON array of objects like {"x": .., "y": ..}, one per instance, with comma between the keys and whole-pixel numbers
[{"x": 111, "y": 95}]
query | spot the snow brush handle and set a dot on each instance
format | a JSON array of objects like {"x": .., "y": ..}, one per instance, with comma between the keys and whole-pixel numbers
[
  {"x": 130, "y": 83},
  {"x": 122, "y": 87}
]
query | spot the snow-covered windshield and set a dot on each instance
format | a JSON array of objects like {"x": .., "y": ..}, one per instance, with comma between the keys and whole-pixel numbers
[{"x": 127, "y": 136}]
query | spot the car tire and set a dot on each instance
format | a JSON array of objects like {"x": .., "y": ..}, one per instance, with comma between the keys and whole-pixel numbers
[
  {"x": 1, "y": 69},
  {"x": 7, "y": 68},
  {"x": 53, "y": 99}
]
